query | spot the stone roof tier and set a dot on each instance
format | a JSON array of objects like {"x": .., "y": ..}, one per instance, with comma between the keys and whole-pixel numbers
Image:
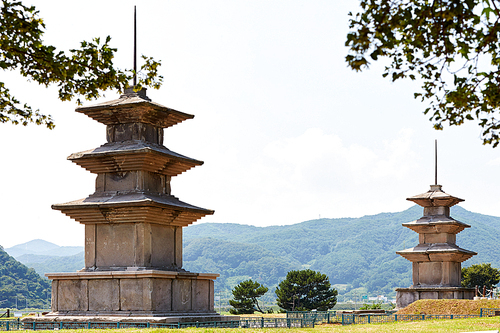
[
  {"x": 134, "y": 107},
  {"x": 132, "y": 207},
  {"x": 436, "y": 224},
  {"x": 436, "y": 252},
  {"x": 133, "y": 155},
  {"x": 435, "y": 197}
]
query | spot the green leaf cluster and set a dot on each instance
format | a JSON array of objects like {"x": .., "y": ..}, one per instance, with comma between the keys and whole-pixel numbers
[
  {"x": 84, "y": 73},
  {"x": 480, "y": 275},
  {"x": 245, "y": 297},
  {"x": 452, "y": 46},
  {"x": 306, "y": 290}
]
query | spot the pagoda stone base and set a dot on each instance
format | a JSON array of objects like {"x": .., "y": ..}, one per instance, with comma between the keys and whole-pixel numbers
[
  {"x": 53, "y": 321},
  {"x": 406, "y": 296},
  {"x": 148, "y": 293}
]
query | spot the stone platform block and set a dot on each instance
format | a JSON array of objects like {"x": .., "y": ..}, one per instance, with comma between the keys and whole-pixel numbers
[
  {"x": 406, "y": 296},
  {"x": 178, "y": 318},
  {"x": 132, "y": 293}
]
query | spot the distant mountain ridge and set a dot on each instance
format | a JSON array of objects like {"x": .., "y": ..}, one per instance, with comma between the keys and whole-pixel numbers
[
  {"x": 358, "y": 252},
  {"x": 354, "y": 252},
  {"x": 53, "y": 264},
  {"x": 44, "y": 248}
]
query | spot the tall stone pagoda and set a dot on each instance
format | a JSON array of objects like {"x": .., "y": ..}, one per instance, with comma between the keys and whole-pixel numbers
[
  {"x": 133, "y": 224},
  {"x": 436, "y": 259}
]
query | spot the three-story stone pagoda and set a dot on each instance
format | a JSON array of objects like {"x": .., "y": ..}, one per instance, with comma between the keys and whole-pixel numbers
[
  {"x": 133, "y": 224},
  {"x": 436, "y": 259}
]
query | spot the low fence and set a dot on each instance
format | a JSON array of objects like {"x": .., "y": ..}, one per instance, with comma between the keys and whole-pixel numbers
[
  {"x": 250, "y": 322},
  {"x": 256, "y": 322},
  {"x": 319, "y": 317},
  {"x": 349, "y": 319},
  {"x": 486, "y": 312},
  {"x": 10, "y": 325},
  {"x": 298, "y": 319},
  {"x": 330, "y": 317}
]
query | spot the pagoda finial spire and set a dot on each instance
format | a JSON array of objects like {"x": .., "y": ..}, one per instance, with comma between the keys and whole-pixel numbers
[
  {"x": 435, "y": 162},
  {"x": 135, "y": 47}
]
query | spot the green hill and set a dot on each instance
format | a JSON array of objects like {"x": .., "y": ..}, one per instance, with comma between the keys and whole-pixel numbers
[
  {"x": 53, "y": 264},
  {"x": 235, "y": 261},
  {"x": 357, "y": 252},
  {"x": 22, "y": 284},
  {"x": 354, "y": 252}
]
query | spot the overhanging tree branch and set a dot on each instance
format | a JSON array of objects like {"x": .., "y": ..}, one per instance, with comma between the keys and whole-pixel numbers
[
  {"x": 87, "y": 72},
  {"x": 452, "y": 46}
]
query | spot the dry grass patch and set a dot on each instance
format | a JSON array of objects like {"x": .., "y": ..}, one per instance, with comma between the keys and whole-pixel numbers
[{"x": 448, "y": 306}]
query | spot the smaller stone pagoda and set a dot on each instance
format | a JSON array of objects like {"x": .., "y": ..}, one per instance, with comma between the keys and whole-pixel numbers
[{"x": 436, "y": 259}]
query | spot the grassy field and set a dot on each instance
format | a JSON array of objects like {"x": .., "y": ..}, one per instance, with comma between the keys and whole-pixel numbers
[
  {"x": 419, "y": 307},
  {"x": 455, "y": 325}
]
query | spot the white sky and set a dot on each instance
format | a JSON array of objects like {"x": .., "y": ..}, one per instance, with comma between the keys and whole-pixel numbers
[{"x": 287, "y": 132}]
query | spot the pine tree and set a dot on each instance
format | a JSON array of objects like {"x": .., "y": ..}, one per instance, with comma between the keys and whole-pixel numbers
[
  {"x": 306, "y": 290},
  {"x": 245, "y": 297}
]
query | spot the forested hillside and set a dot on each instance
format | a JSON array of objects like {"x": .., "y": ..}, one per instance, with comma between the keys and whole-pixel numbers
[
  {"x": 53, "y": 264},
  {"x": 22, "y": 284},
  {"x": 353, "y": 252},
  {"x": 357, "y": 252},
  {"x": 236, "y": 261}
]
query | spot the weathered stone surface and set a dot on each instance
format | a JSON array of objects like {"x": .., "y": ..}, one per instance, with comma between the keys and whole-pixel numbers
[
  {"x": 152, "y": 292},
  {"x": 435, "y": 201},
  {"x": 182, "y": 295},
  {"x": 437, "y": 238},
  {"x": 133, "y": 224},
  {"x": 54, "y": 306},
  {"x": 436, "y": 260},
  {"x": 406, "y": 296},
  {"x": 90, "y": 246},
  {"x": 163, "y": 246},
  {"x": 201, "y": 295},
  {"x": 133, "y": 294},
  {"x": 129, "y": 318},
  {"x": 72, "y": 295},
  {"x": 134, "y": 108},
  {"x": 132, "y": 155},
  {"x": 115, "y": 245},
  {"x": 132, "y": 246},
  {"x": 134, "y": 131},
  {"x": 430, "y": 294},
  {"x": 130, "y": 207},
  {"x": 430, "y": 273},
  {"x": 104, "y": 295},
  {"x": 162, "y": 295}
]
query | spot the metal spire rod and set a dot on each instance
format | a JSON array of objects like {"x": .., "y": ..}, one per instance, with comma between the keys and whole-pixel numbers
[
  {"x": 135, "y": 48},
  {"x": 436, "y": 162}
]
